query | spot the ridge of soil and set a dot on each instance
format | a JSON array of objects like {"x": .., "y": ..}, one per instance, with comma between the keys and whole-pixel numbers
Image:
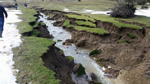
[
  {"x": 132, "y": 57},
  {"x": 57, "y": 62}
]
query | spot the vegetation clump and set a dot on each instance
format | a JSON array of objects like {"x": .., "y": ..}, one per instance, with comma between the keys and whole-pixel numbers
[
  {"x": 94, "y": 52},
  {"x": 122, "y": 41},
  {"x": 61, "y": 51},
  {"x": 100, "y": 61},
  {"x": 70, "y": 58},
  {"x": 131, "y": 35},
  {"x": 35, "y": 32},
  {"x": 58, "y": 40},
  {"x": 81, "y": 70},
  {"x": 124, "y": 9},
  {"x": 43, "y": 24}
]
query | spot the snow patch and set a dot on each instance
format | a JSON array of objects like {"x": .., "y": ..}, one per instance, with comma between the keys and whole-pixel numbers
[{"x": 11, "y": 38}]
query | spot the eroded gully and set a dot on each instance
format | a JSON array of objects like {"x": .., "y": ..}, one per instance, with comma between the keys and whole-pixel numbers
[{"x": 80, "y": 55}]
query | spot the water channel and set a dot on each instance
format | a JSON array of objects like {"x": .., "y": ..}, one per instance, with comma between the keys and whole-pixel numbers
[{"x": 81, "y": 57}]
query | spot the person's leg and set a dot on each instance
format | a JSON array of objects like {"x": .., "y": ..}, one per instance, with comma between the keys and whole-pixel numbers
[
  {"x": 16, "y": 7},
  {"x": 1, "y": 26},
  {"x": 1, "y": 33}
]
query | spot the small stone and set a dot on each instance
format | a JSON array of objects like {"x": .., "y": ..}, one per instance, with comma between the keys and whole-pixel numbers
[
  {"x": 15, "y": 72},
  {"x": 103, "y": 68},
  {"x": 109, "y": 67}
]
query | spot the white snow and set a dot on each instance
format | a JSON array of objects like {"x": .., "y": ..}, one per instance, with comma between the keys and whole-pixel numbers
[
  {"x": 143, "y": 12},
  {"x": 11, "y": 38}
]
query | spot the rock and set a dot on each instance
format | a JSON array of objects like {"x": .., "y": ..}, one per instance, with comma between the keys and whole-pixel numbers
[
  {"x": 93, "y": 77},
  {"x": 15, "y": 72},
  {"x": 79, "y": 70},
  {"x": 75, "y": 68}
]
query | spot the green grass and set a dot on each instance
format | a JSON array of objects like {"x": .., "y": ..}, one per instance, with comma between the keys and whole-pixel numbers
[
  {"x": 27, "y": 56},
  {"x": 131, "y": 35},
  {"x": 80, "y": 17},
  {"x": 85, "y": 23},
  {"x": 36, "y": 24},
  {"x": 92, "y": 30},
  {"x": 106, "y": 18},
  {"x": 29, "y": 62},
  {"x": 70, "y": 58},
  {"x": 100, "y": 61},
  {"x": 43, "y": 24},
  {"x": 35, "y": 32},
  {"x": 72, "y": 5},
  {"x": 26, "y": 17},
  {"x": 81, "y": 70},
  {"x": 67, "y": 23},
  {"x": 94, "y": 52},
  {"x": 61, "y": 51},
  {"x": 140, "y": 19},
  {"x": 59, "y": 40},
  {"x": 122, "y": 41}
]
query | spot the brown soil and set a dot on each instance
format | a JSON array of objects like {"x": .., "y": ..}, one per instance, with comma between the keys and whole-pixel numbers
[
  {"x": 133, "y": 57},
  {"x": 59, "y": 64}
]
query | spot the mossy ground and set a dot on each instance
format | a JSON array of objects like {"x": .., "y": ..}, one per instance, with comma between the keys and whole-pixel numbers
[
  {"x": 27, "y": 56},
  {"x": 81, "y": 70},
  {"x": 70, "y": 58}
]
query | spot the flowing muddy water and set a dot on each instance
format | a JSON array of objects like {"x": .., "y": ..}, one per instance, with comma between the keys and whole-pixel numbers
[{"x": 80, "y": 55}]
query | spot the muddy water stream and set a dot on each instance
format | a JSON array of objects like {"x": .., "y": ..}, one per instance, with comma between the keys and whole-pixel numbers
[{"x": 80, "y": 55}]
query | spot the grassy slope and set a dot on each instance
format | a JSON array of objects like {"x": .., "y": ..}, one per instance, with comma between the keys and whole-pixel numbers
[
  {"x": 104, "y": 18},
  {"x": 139, "y": 19},
  {"x": 86, "y": 23},
  {"x": 27, "y": 56},
  {"x": 95, "y": 30}
]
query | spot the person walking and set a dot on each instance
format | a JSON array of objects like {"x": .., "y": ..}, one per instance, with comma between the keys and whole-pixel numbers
[
  {"x": 16, "y": 6},
  {"x": 2, "y": 12},
  {"x": 25, "y": 5}
]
